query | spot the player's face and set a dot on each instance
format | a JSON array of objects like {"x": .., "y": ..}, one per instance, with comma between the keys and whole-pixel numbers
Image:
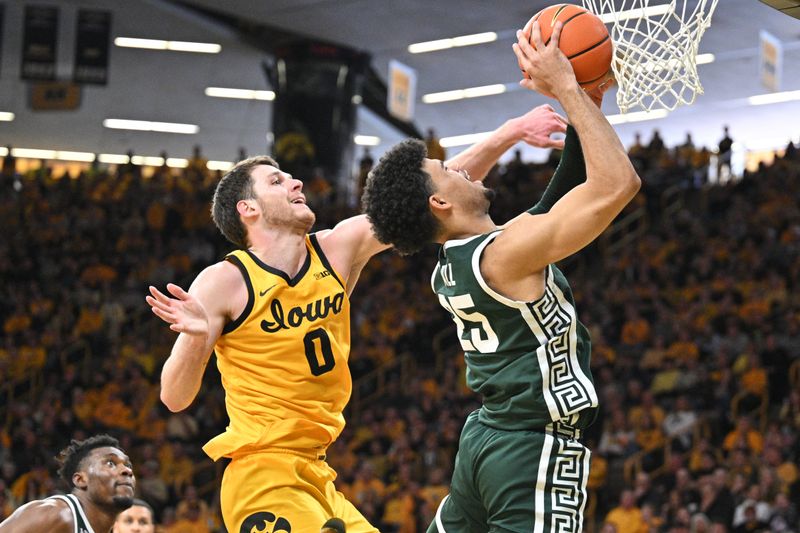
[
  {"x": 109, "y": 477},
  {"x": 137, "y": 519},
  {"x": 281, "y": 198},
  {"x": 458, "y": 187}
]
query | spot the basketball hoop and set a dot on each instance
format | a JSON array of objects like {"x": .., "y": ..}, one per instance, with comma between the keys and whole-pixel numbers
[{"x": 656, "y": 44}]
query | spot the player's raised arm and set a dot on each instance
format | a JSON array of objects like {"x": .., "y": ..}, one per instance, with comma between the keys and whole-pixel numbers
[
  {"x": 535, "y": 127},
  {"x": 531, "y": 243},
  {"x": 348, "y": 246}
]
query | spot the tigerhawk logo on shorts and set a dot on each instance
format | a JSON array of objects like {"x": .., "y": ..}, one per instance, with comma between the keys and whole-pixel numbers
[{"x": 265, "y": 522}]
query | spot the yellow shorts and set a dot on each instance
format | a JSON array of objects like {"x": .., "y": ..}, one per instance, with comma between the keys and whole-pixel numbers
[{"x": 284, "y": 491}]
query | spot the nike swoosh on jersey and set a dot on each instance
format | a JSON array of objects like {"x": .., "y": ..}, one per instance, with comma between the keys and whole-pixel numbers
[{"x": 265, "y": 291}]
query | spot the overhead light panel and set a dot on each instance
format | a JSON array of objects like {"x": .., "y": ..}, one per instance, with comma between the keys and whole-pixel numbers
[
  {"x": 461, "y": 140},
  {"x": 459, "y": 94},
  {"x": 774, "y": 98},
  {"x": 6, "y": 116},
  {"x": 147, "y": 160},
  {"x": 243, "y": 94},
  {"x": 113, "y": 159},
  {"x": 60, "y": 155},
  {"x": 176, "y": 46},
  {"x": 639, "y": 116},
  {"x": 367, "y": 140},
  {"x": 704, "y": 59},
  {"x": 637, "y": 13},
  {"x": 122, "y": 159},
  {"x": 145, "y": 125},
  {"x": 224, "y": 166},
  {"x": 443, "y": 44}
]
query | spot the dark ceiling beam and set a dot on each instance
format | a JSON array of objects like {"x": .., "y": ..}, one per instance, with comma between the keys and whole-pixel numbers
[{"x": 270, "y": 39}]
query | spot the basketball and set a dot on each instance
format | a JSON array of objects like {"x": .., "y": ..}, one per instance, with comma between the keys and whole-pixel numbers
[{"x": 584, "y": 40}]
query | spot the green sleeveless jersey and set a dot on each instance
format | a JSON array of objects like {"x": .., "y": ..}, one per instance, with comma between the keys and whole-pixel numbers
[{"x": 529, "y": 360}]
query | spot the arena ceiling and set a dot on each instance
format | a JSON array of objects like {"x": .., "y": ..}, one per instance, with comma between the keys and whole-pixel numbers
[{"x": 383, "y": 29}]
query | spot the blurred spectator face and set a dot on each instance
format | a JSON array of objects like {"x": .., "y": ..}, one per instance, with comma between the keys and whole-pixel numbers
[
  {"x": 626, "y": 500},
  {"x": 136, "y": 519}
]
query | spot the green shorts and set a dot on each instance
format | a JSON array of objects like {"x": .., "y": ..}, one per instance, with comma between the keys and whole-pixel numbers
[{"x": 515, "y": 481}]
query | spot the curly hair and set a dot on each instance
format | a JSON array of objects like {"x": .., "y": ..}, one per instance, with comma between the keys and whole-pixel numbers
[
  {"x": 70, "y": 457},
  {"x": 236, "y": 185},
  {"x": 396, "y": 196}
]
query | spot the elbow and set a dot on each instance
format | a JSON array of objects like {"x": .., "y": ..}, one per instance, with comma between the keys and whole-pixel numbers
[
  {"x": 633, "y": 183},
  {"x": 172, "y": 403}
]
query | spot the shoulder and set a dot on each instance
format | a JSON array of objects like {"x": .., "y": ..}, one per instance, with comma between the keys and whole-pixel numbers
[
  {"x": 225, "y": 274},
  {"x": 52, "y": 515},
  {"x": 219, "y": 284}
]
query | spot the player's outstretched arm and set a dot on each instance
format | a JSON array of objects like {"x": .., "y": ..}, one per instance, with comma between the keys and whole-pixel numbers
[
  {"x": 532, "y": 242},
  {"x": 38, "y": 516},
  {"x": 534, "y": 127},
  {"x": 198, "y": 316},
  {"x": 348, "y": 247}
]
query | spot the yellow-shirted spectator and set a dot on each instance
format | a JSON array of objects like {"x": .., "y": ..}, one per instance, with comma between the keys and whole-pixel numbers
[
  {"x": 364, "y": 483},
  {"x": 19, "y": 321},
  {"x": 647, "y": 408},
  {"x": 635, "y": 330},
  {"x": 178, "y": 472},
  {"x": 626, "y": 517},
  {"x": 398, "y": 511},
  {"x": 743, "y": 436},
  {"x": 683, "y": 348},
  {"x": 90, "y": 321},
  {"x": 98, "y": 274},
  {"x": 434, "y": 493}
]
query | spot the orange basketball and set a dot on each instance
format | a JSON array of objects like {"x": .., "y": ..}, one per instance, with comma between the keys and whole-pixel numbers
[{"x": 584, "y": 40}]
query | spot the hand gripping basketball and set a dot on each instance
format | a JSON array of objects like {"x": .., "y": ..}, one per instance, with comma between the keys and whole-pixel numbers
[
  {"x": 584, "y": 40},
  {"x": 546, "y": 67}
]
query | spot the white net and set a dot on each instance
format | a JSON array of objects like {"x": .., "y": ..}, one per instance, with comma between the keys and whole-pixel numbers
[{"x": 655, "y": 49}]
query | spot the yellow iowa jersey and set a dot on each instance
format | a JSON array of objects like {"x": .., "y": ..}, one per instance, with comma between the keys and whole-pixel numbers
[{"x": 284, "y": 360}]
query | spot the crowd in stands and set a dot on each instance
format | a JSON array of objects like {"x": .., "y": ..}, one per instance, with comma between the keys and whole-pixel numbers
[{"x": 695, "y": 326}]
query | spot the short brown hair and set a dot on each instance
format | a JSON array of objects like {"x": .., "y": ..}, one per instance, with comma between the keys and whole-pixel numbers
[{"x": 236, "y": 185}]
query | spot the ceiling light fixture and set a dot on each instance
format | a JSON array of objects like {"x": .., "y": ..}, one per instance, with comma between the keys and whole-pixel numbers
[
  {"x": 459, "y": 94},
  {"x": 175, "y": 46},
  {"x": 145, "y": 125},
  {"x": 774, "y": 98},
  {"x": 219, "y": 165},
  {"x": 461, "y": 140},
  {"x": 639, "y": 116},
  {"x": 243, "y": 94},
  {"x": 6, "y": 116},
  {"x": 367, "y": 140},
  {"x": 443, "y": 44}
]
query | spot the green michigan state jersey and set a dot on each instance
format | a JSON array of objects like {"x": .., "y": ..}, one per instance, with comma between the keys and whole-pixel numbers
[{"x": 529, "y": 360}]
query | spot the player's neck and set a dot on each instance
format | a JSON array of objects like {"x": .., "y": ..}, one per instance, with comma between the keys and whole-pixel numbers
[
  {"x": 100, "y": 518},
  {"x": 282, "y": 250},
  {"x": 466, "y": 228}
]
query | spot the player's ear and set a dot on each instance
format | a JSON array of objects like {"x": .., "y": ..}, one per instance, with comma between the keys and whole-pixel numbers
[
  {"x": 439, "y": 204},
  {"x": 80, "y": 480},
  {"x": 247, "y": 208}
]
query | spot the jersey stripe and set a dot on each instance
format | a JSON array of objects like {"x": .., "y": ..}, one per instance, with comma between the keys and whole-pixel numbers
[
  {"x": 80, "y": 523},
  {"x": 248, "y": 308},
  {"x": 565, "y": 387}
]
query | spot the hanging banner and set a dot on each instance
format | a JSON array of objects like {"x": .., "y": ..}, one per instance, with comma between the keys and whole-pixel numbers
[
  {"x": 39, "y": 42},
  {"x": 770, "y": 61},
  {"x": 402, "y": 90},
  {"x": 91, "y": 46},
  {"x": 2, "y": 9}
]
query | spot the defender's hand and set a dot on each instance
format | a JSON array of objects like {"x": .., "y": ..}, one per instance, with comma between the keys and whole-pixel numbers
[
  {"x": 184, "y": 313},
  {"x": 537, "y": 125}
]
